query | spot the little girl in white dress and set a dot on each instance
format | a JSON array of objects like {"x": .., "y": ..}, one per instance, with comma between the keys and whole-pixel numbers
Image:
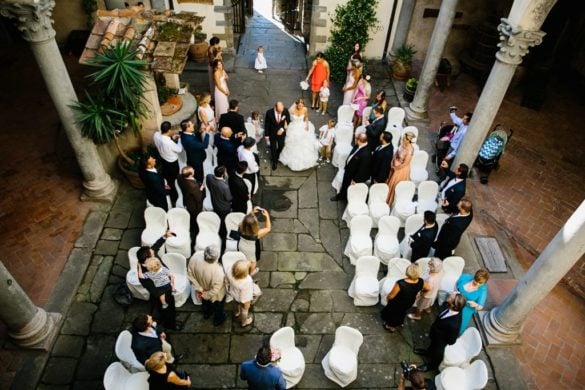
[{"x": 260, "y": 63}]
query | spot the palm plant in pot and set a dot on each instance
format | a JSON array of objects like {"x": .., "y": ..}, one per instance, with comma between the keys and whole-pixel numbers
[
  {"x": 116, "y": 104},
  {"x": 402, "y": 63}
]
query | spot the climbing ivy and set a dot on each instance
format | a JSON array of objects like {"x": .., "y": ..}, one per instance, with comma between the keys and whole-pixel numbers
[{"x": 352, "y": 22}]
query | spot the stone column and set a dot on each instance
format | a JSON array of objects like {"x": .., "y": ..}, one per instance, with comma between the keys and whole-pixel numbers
[
  {"x": 418, "y": 107},
  {"x": 33, "y": 20},
  {"x": 503, "y": 323},
  {"x": 28, "y": 325},
  {"x": 403, "y": 24},
  {"x": 514, "y": 45}
]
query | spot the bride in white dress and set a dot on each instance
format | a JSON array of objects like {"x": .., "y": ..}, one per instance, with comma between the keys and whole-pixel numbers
[{"x": 301, "y": 148}]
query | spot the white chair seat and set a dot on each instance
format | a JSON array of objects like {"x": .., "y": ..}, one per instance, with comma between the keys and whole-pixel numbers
[
  {"x": 354, "y": 209},
  {"x": 404, "y": 209},
  {"x": 289, "y": 362},
  {"x": 378, "y": 210},
  {"x": 342, "y": 360},
  {"x": 367, "y": 285},
  {"x": 150, "y": 236},
  {"x": 204, "y": 239},
  {"x": 418, "y": 175},
  {"x": 340, "y": 154},
  {"x": 338, "y": 180},
  {"x": 388, "y": 245},
  {"x": 421, "y": 207}
]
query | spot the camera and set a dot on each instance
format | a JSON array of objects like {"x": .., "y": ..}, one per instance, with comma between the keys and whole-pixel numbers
[
  {"x": 406, "y": 368},
  {"x": 452, "y": 109}
]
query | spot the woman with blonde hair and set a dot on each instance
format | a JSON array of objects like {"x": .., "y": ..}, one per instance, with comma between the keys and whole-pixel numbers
[
  {"x": 425, "y": 300},
  {"x": 222, "y": 91},
  {"x": 400, "y": 166},
  {"x": 250, "y": 235},
  {"x": 351, "y": 83},
  {"x": 474, "y": 289},
  {"x": 402, "y": 297},
  {"x": 243, "y": 289},
  {"x": 162, "y": 375}
]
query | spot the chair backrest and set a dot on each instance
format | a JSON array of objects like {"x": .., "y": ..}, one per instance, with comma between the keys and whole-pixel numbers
[
  {"x": 116, "y": 376},
  {"x": 423, "y": 266},
  {"x": 250, "y": 130},
  {"x": 208, "y": 221},
  {"x": 176, "y": 262},
  {"x": 427, "y": 191},
  {"x": 366, "y": 113},
  {"x": 367, "y": 265},
  {"x": 283, "y": 338},
  {"x": 397, "y": 268},
  {"x": 453, "y": 265},
  {"x": 378, "y": 193},
  {"x": 345, "y": 114},
  {"x": 413, "y": 223},
  {"x": 155, "y": 217},
  {"x": 249, "y": 185},
  {"x": 179, "y": 219},
  {"x": 343, "y": 133},
  {"x": 349, "y": 337},
  {"x": 357, "y": 193},
  {"x": 132, "y": 258},
  {"x": 388, "y": 225},
  {"x": 395, "y": 119},
  {"x": 420, "y": 158},
  {"x": 411, "y": 129},
  {"x": 360, "y": 225},
  {"x": 123, "y": 350},
  {"x": 440, "y": 219},
  {"x": 476, "y": 375},
  {"x": 233, "y": 220},
  {"x": 229, "y": 258},
  {"x": 137, "y": 381},
  {"x": 395, "y": 137},
  {"x": 404, "y": 191},
  {"x": 453, "y": 378},
  {"x": 471, "y": 340}
]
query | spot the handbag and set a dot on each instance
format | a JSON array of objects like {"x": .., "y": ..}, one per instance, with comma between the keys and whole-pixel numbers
[{"x": 234, "y": 235}]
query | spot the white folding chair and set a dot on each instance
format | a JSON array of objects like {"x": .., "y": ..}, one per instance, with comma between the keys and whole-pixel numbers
[
  {"x": 386, "y": 245},
  {"x": 394, "y": 120},
  {"x": 342, "y": 149},
  {"x": 403, "y": 206},
  {"x": 427, "y": 197},
  {"x": 179, "y": 202},
  {"x": 228, "y": 260},
  {"x": 132, "y": 280},
  {"x": 413, "y": 223},
  {"x": 452, "y": 270},
  {"x": 470, "y": 378},
  {"x": 366, "y": 114},
  {"x": 423, "y": 266},
  {"x": 338, "y": 179},
  {"x": 117, "y": 377},
  {"x": 395, "y": 137},
  {"x": 440, "y": 219},
  {"x": 356, "y": 201},
  {"x": 292, "y": 361},
  {"x": 377, "y": 205},
  {"x": 209, "y": 224},
  {"x": 460, "y": 354},
  {"x": 177, "y": 264},
  {"x": 156, "y": 225},
  {"x": 180, "y": 224},
  {"x": 396, "y": 271},
  {"x": 249, "y": 203},
  {"x": 345, "y": 114},
  {"x": 364, "y": 286},
  {"x": 207, "y": 204},
  {"x": 251, "y": 132},
  {"x": 123, "y": 350},
  {"x": 418, "y": 166},
  {"x": 341, "y": 362},
  {"x": 232, "y": 223},
  {"x": 359, "y": 243}
]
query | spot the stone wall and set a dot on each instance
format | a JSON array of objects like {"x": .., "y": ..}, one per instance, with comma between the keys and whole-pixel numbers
[{"x": 68, "y": 16}]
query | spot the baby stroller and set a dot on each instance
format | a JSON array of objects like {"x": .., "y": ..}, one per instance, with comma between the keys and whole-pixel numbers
[{"x": 491, "y": 151}]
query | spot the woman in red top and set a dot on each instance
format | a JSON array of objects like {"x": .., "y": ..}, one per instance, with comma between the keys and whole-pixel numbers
[{"x": 320, "y": 73}]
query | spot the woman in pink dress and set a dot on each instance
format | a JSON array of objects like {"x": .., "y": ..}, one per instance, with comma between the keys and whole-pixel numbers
[
  {"x": 221, "y": 88},
  {"x": 361, "y": 98}
]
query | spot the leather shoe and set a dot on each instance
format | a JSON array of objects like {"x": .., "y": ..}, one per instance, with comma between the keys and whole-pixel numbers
[
  {"x": 274, "y": 166},
  {"x": 423, "y": 368},
  {"x": 420, "y": 351}
]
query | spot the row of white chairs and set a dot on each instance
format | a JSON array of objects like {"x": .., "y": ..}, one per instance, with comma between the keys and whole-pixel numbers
[{"x": 157, "y": 222}]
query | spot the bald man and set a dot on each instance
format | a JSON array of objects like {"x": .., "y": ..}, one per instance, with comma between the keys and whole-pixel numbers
[
  {"x": 227, "y": 149},
  {"x": 357, "y": 166}
]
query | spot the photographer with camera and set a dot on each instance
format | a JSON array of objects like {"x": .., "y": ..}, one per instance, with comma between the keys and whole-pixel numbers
[{"x": 416, "y": 378}]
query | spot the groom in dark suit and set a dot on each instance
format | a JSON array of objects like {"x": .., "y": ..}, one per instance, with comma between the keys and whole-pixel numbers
[
  {"x": 357, "y": 166},
  {"x": 276, "y": 121}
]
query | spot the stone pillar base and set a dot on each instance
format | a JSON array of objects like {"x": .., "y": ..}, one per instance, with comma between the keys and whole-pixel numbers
[
  {"x": 96, "y": 191},
  {"x": 496, "y": 334},
  {"x": 40, "y": 332},
  {"x": 413, "y": 113}
]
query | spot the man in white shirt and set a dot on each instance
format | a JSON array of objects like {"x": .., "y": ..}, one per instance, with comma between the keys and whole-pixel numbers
[
  {"x": 246, "y": 154},
  {"x": 169, "y": 153}
]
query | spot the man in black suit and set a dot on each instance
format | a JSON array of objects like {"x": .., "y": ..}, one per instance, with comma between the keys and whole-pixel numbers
[
  {"x": 382, "y": 158},
  {"x": 357, "y": 166},
  {"x": 444, "y": 331},
  {"x": 227, "y": 149},
  {"x": 192, "y": 195},
  {"x": 233, "y": 119},
  {"x": 453, "y": 188},
  {"x": 276, "y": 121},
  {"x": 154, "y": 184},
  {"x": 453, "y": 229},
  {"x": 221, "y": 197},
  {"x": 239, "y": 189},
  {"x": 374, "y": 129},
  {"x": 147, "y": 339},
  {"x": 423, "y": 239},
  {"x": 194, "y": 144}
]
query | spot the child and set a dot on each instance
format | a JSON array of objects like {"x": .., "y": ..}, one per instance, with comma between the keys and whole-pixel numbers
[
  {"x": 162, "y": 278},
  {"x": 254, "y": 119},
  {"x": 260, "y": 63},
  {"x": 326, "y": 139},
  {"x": 324, "y": 97}
]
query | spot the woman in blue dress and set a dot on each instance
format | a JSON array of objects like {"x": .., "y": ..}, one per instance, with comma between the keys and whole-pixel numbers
[{"x": 474, "y": 289}]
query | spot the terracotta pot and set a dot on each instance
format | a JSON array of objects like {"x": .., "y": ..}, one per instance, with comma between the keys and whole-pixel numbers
[
  {"x": 132, "y": 176},
  {"x": 401, "y": 70},
  {"x": 198, "y": 51}
]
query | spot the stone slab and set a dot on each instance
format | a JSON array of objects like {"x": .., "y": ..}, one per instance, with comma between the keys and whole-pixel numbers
[
  {"x": 122, "y": 259},
  {"x": 244, "y": 347},
  {"x": 281, "y": 204},
  {"x": 315, "y": 323},
  {"x": 327, "y": 280},
  {"x": 131, "y": 238},
  {"x": 365, "y": 323},
  {"x": 268, "y": 323},
  {"x": 100, "y": 279},
  {"x": 321, "y": 301},
  {"x": 324, "y": 347},
  {"x": 268, "y": 261},
  {"x": 110, "y": 315},
  {"x": 308, "y": 344},
  {"x": 374, "y": 376},
  {"x": 137, "y": 218},
  {"x": 491, "y": 254},
  {"x": 279, "y": 278},
  {"x": 306, "y": 262},
  {"x": 342, "y": 303},
  {"x": 310, "y": 220},
  {"x": 262, "y": 278},
  {"x": 275, "y": 300},
  {"x": 106, "y": 248},
  {"x": 91, "y": 230},
  {"x": 112, "y": 234},
  {"x": 287, "y": 225},
  {"x": 308, "y": 193},
  {"x": 202, "y": 348},
  {"x": 68, "y": 346},
  {"x": 314, "y": 378},
  {"x": 331, "y": 240},
  {"x": 327, "y": 208},
  {"x": 280, "y": 242},
  {"x": 69, "y": 280},
  {"x": 206, "y": 376},
  {"x": 59, "y": 371},
  {"x": 197, "y": 324},
  {"x": 306, "y": 243},
  {"x": 283, "y": 183},
  {"x": 98, "y": 355},
  {"x": 78, "y": 319},
  {"x": 119, "y": 218},
  {"x": 300, "y": 305}
]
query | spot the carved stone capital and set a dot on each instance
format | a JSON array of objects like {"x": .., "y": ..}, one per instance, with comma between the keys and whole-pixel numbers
[
  {"x": 33, "y": 19},
  {"x": 515, "y": 43}
]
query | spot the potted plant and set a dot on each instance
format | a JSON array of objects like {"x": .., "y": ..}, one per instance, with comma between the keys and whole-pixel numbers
[
  {"x": 410, "y": 89},
  {"x": 402, "y": 64},
  {"x": 117, "y": 101},
  {"x": 198, "y": 50}
]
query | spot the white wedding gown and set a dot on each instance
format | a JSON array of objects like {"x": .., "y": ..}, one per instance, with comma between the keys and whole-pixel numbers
[{"x": 301, "y": 147}]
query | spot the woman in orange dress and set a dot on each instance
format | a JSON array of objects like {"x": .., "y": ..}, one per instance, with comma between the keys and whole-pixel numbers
[
  {"x": 400, "y": 166},
  {"x": 320, "y": 73}
]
